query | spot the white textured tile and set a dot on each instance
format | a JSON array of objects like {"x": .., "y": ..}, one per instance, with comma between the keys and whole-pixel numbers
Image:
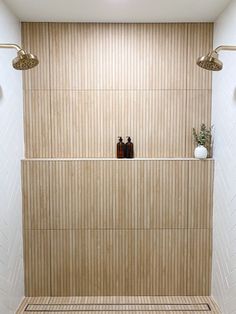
[
  {"x": 224, "y": 120},
  {"x": 11, "y": 151}
]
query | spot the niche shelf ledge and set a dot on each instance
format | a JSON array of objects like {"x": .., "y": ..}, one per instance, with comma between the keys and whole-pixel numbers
[{"x": 112, "y": 159}]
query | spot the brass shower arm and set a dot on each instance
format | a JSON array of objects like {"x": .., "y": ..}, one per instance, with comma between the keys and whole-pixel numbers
[
  {"x": 14, "y": 46},
  {"x": 232, "y": 48}
]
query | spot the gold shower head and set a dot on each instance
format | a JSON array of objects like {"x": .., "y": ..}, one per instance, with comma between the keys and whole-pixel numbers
[
  {"x": 24, "y": 60},
  {"x": 211, "y": 61}
]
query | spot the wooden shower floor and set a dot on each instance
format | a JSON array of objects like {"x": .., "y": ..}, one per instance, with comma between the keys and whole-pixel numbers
[{"x": 70, "y": 305}]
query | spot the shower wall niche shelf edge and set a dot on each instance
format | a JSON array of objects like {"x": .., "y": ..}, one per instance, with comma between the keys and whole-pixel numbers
[{"x": 115, "y": 159}]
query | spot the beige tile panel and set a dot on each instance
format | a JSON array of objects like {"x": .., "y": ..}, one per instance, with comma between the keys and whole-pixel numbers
[
  {"x": 117, "y": 215},
  {"x": 200, "y": 42},
  {"x": 200, "y": 194},
  {"x": 37, "y": 262},
  {"x": 117, "y": 56},
  {"x": 118, "y": 262},
  {"x": 199, "y": 261},
  {"x": 87, "y": 124},
  {"x": 35, "y": 39},
  {"x": 37, "y": 124},
  {"x": 36, "y": 194},
  {"x": 198, "y": 111},
  {"x": 118, "y": 195},
  {"x": 105, "y": 194},
  {"x": 97, "y": 89}
]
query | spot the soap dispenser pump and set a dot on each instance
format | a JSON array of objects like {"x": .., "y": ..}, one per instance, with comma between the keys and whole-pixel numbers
[
  {"x": 129, "y": 148},
  {"x": 120, "y": 148}
]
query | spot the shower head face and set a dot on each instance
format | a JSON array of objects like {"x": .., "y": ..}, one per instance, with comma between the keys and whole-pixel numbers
[
  {"x": 24, "y": 61},
  {"x": 210, "y": 62}
]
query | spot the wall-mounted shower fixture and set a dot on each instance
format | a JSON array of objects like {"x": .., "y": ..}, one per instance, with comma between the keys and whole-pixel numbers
[
  {"x": 24, "y": 60},
  {"x": 211, "y": 61}
]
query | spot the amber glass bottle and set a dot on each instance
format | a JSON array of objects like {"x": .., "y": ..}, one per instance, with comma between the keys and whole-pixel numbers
[
  {"x": 129, "y": 148},
  {"x": 120, "y": 148}
]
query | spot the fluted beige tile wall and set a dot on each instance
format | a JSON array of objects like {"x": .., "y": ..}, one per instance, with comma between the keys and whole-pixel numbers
[
  {"x": 98, "y": 81},
  {"x": 109, "y": 227},
  {"x": 112, "y": 227}
]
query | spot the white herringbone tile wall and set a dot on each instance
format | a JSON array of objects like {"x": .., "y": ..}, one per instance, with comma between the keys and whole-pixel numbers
[
  {"x": 224, "y": 120},
  {"x": 11, "y": 151}
]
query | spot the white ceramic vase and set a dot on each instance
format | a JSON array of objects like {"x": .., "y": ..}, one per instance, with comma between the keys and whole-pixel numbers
[{"x": 200, "y": 152}]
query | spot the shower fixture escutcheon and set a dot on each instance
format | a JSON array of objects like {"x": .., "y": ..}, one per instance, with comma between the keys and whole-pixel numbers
[
  {"x": 211, "y": 61},
  {"x": 24, "y": 60}
]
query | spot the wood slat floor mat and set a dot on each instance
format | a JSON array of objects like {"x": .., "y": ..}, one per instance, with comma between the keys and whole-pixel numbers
[{"x": 141, "y": 304}]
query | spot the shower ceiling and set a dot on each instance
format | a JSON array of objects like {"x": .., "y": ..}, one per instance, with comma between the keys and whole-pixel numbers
[{"x": 117, "y": 10}]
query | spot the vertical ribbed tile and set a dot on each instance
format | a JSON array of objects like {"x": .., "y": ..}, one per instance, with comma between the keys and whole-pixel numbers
[
  {"x": 100, "y": 259},
  {"x": 118, "y": 56},
  {"x": 36, "y": 195},
  {"x": 121, "y": 227},
  {"x": 198, "y": 111},
  {"x": 118, "y": 227},
  {"x": 170, "y": 210},
  {"x": 199, "y": 262},
  {"x": 37, "y": 124},
  {"x": 107, "y": 263},
  {"x": 35, "y": 39},
  {"x": 37, "y": 253},
  {"x": 114, "y": 79},
  {"x": 87, "y": 124},
  {"x": 200, "y": 41},
  {"x": 137, "y": 194},
  {"x": 200, "y": 189},
  {"x": 160, "y": 259}
]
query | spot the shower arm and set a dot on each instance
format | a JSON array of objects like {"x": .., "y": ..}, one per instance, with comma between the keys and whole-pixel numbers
[
  {"x": 229, "y": 48},
  {"x": 14, "y": 46}
]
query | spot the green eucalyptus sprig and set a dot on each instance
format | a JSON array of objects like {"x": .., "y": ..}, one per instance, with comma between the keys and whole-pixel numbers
[{"x": 204, "y": 136}]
